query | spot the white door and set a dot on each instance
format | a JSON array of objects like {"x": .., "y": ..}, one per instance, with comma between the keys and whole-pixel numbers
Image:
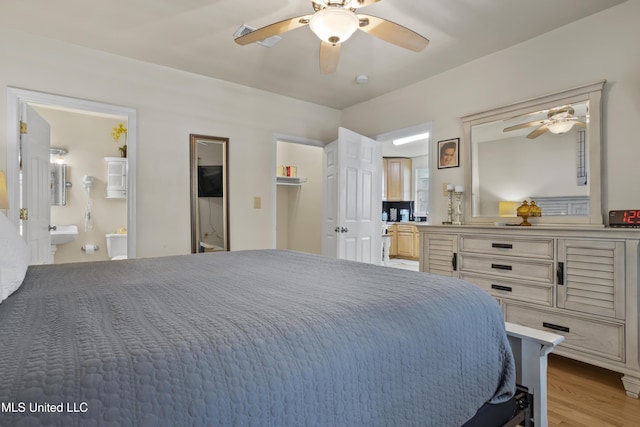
[
  {"x": 351, "y": 198},
  {"x": 34, "y": 146}
]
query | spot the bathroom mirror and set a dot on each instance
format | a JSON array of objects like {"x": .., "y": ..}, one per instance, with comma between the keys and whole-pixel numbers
[
  {"x": 58, "y": 184},
  {"x": 545, "y": 149},
  {"x": 209, "y": 194}
]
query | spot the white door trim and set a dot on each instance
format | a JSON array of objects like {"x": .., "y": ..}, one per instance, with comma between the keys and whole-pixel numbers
[{"x": 16, "y": 96}]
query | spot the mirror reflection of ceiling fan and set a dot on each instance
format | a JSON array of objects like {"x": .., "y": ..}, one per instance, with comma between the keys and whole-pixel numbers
[
  {"x": 334, "y": 21},
  {"x": 559, "y": 120}
]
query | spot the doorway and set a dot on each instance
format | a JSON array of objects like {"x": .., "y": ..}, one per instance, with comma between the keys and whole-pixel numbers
[
  {"x": 54, "y": 103},
  {"x": 83, "y": 145},
  {"x": 298, "y": 196}
]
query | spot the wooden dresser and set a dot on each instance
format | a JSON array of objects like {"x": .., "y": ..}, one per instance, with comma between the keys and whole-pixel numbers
[{"x": 580, "y": 282}]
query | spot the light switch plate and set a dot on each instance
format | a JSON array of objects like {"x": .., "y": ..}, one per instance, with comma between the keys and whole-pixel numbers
[
  {"x": 257, "y": 202},
  {"x": 444, "y": 189}
]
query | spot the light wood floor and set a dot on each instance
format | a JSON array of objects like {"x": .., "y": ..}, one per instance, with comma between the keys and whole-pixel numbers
[{"x": 584, "y": 395}]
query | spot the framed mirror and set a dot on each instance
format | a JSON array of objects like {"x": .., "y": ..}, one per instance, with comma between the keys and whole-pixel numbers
[
  {"x": 58, "y": 184},
  {"x": 545, "y": 149},
  {"x": 209, "y": 167}
]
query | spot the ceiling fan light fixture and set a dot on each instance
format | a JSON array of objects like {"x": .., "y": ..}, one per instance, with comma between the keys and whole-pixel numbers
[
  {"x": 334, "y": 24},
  {"x": 561, "y": 126}
]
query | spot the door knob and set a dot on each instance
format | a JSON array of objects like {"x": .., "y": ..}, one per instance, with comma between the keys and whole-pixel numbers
[
  {"x": 54, "y": 228},
  {"x": 337, "y": 229},
  {"x": 344, "y": 230}
]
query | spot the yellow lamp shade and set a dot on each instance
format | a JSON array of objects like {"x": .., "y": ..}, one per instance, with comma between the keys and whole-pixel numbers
[{"x": 508, "y": 208}]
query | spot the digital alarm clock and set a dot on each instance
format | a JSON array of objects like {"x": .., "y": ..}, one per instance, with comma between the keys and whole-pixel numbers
[{"x": 625, "y": 218}]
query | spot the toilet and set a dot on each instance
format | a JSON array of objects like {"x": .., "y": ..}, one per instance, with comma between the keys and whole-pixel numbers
[{"x": 117, "y": 246}]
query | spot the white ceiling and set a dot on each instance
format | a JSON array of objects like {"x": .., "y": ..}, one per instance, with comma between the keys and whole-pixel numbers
[{"x": 197, "y": 36}]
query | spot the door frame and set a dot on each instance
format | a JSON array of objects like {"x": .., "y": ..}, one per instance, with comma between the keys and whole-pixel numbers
[{"x": 17, "y": 96}]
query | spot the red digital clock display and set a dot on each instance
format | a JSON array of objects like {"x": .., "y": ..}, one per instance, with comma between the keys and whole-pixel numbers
[{"x": 625, "y": 218}]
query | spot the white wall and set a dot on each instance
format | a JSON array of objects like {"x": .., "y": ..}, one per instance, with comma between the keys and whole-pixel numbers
[
  {"x": 600, "y": 46},
  {"x": 171, "y": 105}
]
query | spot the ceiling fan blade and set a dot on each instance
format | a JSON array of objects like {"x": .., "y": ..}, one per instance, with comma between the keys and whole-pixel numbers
[
  {"x": 523, "y": 125},
  {"x": 273, "y": 30},
  {"x": 579, "y": 123},
  {"x": 329, "y": 57},
  {"x": 534, "y": 113},
  {"x": 356, "y": 4},
  {"x": 393, "y": 33},
  {"x": 536, "y": 133}
]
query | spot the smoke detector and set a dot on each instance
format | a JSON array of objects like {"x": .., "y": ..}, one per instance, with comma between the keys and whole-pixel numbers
[
  {"x": 362, "y": 79},
  {"x": 268, "y": 42}
]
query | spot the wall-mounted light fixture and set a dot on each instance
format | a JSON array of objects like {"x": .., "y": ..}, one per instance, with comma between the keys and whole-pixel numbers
[{"x": 57, "y": 155}]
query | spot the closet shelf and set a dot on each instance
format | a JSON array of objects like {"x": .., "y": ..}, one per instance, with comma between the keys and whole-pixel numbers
[{"x": 290, "y": 180}]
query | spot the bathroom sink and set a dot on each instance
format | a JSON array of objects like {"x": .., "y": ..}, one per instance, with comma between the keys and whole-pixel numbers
[{"x": 64, "y": 234}]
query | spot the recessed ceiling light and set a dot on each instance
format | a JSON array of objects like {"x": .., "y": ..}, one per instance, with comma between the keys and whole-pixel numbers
[{"x": 412, "y": 138}]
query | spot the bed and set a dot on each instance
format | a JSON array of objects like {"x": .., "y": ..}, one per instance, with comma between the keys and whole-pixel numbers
[{"x": 265, "y": 337}]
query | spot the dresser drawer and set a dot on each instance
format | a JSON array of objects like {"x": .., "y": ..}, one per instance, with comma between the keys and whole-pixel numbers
[
  {"x": 527, "y": 292},
  {"x": 541, "y": 271},
  {"x": 406, "y": 228},
  {"x": 597, "y": 337},
  {"x": 541, "y": 248}
]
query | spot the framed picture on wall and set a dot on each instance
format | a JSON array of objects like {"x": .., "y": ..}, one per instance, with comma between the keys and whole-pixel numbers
[{"x": 449, "y": 153}]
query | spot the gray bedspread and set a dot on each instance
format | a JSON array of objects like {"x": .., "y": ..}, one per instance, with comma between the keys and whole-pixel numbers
[{"x": 248, "y": 338}]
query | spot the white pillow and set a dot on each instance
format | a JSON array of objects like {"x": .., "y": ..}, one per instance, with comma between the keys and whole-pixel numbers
[{"x": 14, "y": 258}]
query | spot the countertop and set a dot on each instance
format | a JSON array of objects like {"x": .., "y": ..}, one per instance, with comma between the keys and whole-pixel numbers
[{"x": 406, "y": 222}]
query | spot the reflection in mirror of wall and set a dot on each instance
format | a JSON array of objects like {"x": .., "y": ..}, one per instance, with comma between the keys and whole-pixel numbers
[
  {"x": 209, "y": 195},
  {"x": 545, "y": 149}
]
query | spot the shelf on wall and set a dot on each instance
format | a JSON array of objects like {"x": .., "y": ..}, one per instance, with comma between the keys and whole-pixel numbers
[{"x": 290, "y": 180}]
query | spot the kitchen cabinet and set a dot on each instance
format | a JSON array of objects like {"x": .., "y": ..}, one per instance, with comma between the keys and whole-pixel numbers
[
  {"x": 581, "y": 283},
  {"x": 397, "y": 179},
  {"x": 405, "y": 239},
  {"x": 393, "y": 247}
]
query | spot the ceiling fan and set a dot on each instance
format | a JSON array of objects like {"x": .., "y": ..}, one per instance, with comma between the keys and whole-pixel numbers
[
  {"x": 334, "y": 21},
  {"x": 559, "y": 120}
]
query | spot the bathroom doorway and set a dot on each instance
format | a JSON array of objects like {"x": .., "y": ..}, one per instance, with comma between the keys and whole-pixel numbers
[
  {"x": 83, "y": 144},
  {"x": 80, "y": 127}
]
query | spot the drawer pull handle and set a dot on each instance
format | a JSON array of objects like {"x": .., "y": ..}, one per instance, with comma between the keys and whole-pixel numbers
[
  {"x": 454, "y": 261},
  {"x": 501, "y": 267},
  {"x": 560, "y": 273},
  {"x": 555, "y": 327},
  {"x": 501, "y": 288},
  {"x": 502, "y": 245}
]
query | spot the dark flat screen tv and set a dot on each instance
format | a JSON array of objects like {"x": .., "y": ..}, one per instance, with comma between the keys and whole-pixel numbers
[{"x": 210, "y": 181}]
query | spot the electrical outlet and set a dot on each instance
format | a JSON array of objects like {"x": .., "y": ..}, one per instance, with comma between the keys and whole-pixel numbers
[
  {"x": 206, "y": 235},
  {"x": 257, "y": 202}
]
